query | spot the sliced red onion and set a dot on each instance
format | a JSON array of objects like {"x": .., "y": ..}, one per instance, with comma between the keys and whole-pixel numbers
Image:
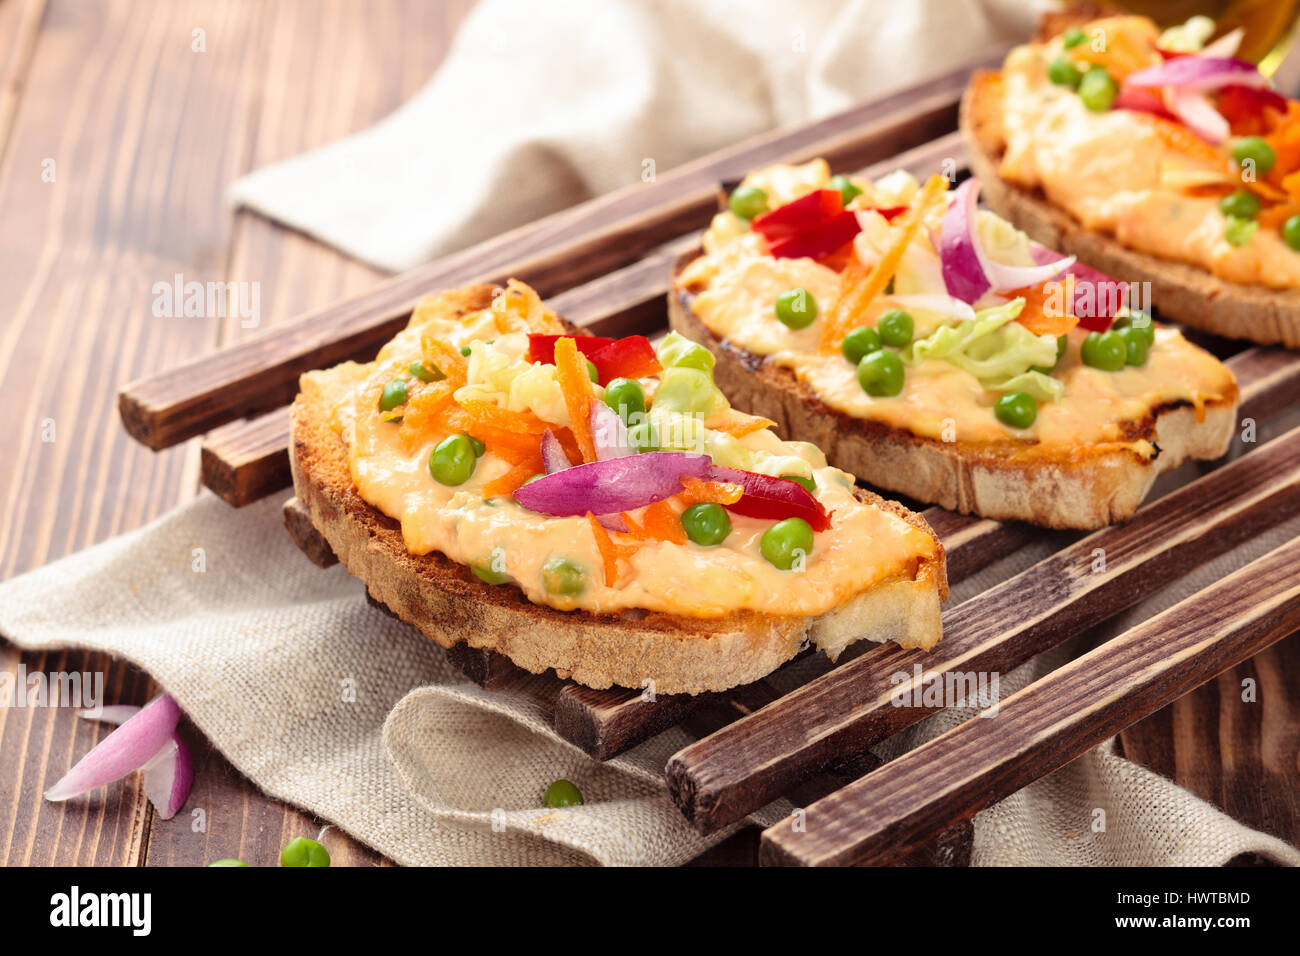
[
  {"x": 614, "y": 485},
  {"x": 113, "y": 714},
  {"x": 609, "y": 433},
  {"x": 1143, "y": 100},
  {"x": 1199, "y": 73},
  {"x": 936, "y": 302},
  {"x": 168, "y": 776},
  {"x": 1225, "y": 46},
  {"x": 963, "y": 274},
  {"x": 968, "y": 272},
  {"x": 126, "y": 749},
  {"x": 145, "y": 740},
  {"x": 1194, "y": 109},
  {"x": 613, "y": 522},
  {"x": 1089, "y": 284},
  {"x": 553, "y": 456}
]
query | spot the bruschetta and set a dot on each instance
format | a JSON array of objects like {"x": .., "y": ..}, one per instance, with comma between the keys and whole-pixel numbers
[
  {"x": 596, "y": 507},
  {"x": 933, "y": 350},
  {"x": 1158, "y": 158}
]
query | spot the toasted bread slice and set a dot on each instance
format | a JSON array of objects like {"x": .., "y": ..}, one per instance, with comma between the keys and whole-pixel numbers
[
  {"x": 672, "y": 654},
  {"x": 1088, "y": 487},
  {"x": 1179, "y": 290}
]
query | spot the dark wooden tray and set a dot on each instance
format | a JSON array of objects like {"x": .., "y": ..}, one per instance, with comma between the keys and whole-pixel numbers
[{"x": 605, "y": 265}]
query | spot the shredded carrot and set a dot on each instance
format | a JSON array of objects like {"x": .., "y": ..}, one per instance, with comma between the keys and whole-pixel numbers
[
  {"x": 445, "y": 359},
  {"x": 575, "y": 384},
  {"x": 1266, "y": 191},
  {"x": 856, "y": 292},
  {"x": 660, "y": 522},
  {"x": 741, "y": 426},
  {"x": 1040, "y": 320},
  {"x": 494, "y": 416},
  {"x": 1181, "y": 139},
  {"x": 508, "y": 483},
  {"x": 696, "y": 491},
  {"x": 569, "y": 444},
  {"x": 610, "y": 550},
  {"x": 1275, "y": 216}
]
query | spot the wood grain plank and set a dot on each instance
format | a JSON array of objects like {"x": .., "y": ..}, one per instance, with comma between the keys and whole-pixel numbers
[
  {"x": 553, "y": 254},
  {"x": 20, "y": 25},
  {"x": 743, "y": 767},
  {"x": 106, "y": 100},
  {"x": 1049, "y": 723}
]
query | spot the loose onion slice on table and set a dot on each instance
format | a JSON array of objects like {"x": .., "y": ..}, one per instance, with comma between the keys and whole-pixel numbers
[{"x": 145, "y": 739}]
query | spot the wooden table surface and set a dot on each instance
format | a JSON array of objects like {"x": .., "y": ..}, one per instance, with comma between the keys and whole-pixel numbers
[{"x": 143, "y": 134}]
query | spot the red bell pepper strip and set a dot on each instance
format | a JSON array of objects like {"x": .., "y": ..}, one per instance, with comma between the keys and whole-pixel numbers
[
  {"x": 803, "y": 214},
  {"x": 891, "y": 212},
  {"x": 774, "y": 498},
  {"x": 541, "y": 348},
  {"x": 630, "y": 357},
  {"x": 819, "y": 241},
  {"x": 1244, "y": 107}
]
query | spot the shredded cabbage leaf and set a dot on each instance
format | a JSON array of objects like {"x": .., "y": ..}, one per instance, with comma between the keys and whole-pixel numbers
[{"x": 997, "y": 350}]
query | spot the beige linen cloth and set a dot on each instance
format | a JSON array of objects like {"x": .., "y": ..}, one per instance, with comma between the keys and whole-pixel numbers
[{"x": 326, "y": 703}]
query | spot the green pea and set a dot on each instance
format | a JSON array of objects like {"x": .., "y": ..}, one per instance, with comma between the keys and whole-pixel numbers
[
  {"x": 487, "y": 575},
  {"x": 228, "y": 861},
  {"x": 859, "y": 342},
  {"x": 426, "y": 373},
  {"x": 562, "y": 793},
  {"x": 808, "y": 483},
  {"x": 1135, "y": 341},
  {"x": 1062, "y": 343},
  {"x": 477, "y": 445},
  {"x": 304, "y": 852},
  {"x": 1098, "y": 89},
  {"x": 1140, "y": 323},
  {"x": 1073, "y": 37},
  {"x": 844, "y": 186},
  {"x": 1254, "y": 149},
  {"x": 786, "y": 542},
  {"x": 627, "y": 397},
  {"x": 1017, "y": 409},
  {"x": 880, "y": 374},
  {"x": 642, "y": 437},
  {"x": 1240, "y": 204},
  {"x": 1237, "y": 231},
  {"x": 1105, "y": 350},
  {"x": 452, "y": 461},
  {"x": 562, "y": 576},
  {"x": 394, "y": 395},
  {"x": 706, "y": 524},
  {"x": 1291, "y": 233},
  {"x": 748, "y": 202},
  {"x": 895, "y": 328},
  {"x": 1063, "y": 72},
  {"x": 465, "y": 350},
  {"x": 796, "y": 308},
  {"x": 592, "y": 373}
]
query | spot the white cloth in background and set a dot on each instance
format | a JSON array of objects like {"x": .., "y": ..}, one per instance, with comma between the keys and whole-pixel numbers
[{"x": 541, "y": 105}]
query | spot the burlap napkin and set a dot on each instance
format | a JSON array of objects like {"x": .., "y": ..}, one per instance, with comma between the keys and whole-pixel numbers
[
  {"x": 539, "y": 106},
  {"x": 331, "y": 705}
]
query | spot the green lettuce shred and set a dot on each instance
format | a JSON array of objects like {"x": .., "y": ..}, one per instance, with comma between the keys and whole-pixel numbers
[{"x": 997, "y": 350}]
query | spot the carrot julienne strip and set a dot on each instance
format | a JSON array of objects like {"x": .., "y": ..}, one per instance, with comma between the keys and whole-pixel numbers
[
  {"x": 858, "y": 291},
  {"x": 660, "y": 522},
  {"x": 696, "y": 491},
  {"x": 575, "y": 384}
]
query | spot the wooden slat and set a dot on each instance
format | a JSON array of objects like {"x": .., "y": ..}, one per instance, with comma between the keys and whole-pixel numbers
[
  {"x": 1049, "y": 723},
  {"x": 605, "y": 723},
  {"x": 553, "y": 254},
  {"x": 297, "y": 521},
  {"x": 247, "y": 460},
  {"x": 741, "y": 768}
]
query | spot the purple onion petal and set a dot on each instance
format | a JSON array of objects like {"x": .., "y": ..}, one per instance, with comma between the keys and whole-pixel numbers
[
  {"x": 614, "y": 485},
  {"x": 127, "y": 748},
  {"x": 168, "y": 776},
  {"x": 609, "y": 433},
  {"x": 553, "y": 457}
]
